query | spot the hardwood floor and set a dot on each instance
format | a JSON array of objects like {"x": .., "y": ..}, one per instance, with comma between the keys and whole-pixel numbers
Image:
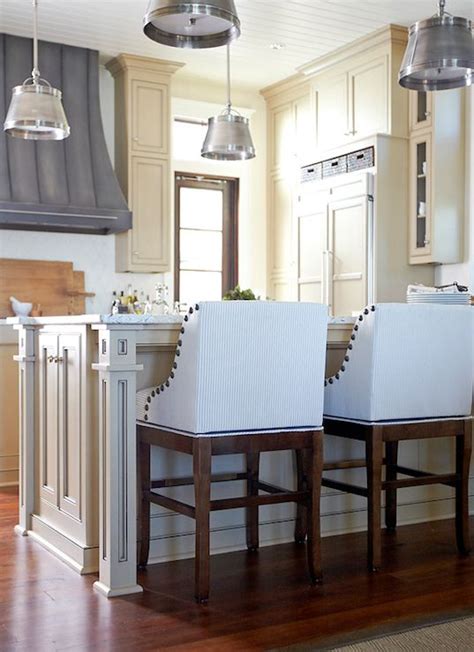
[{"x": 259, "y": 601}]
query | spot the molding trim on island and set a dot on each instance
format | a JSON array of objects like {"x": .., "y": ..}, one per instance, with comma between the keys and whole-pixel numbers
[{"x": 77, "y": 498}]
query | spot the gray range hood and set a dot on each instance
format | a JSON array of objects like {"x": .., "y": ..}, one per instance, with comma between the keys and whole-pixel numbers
[{"x": 67, "y": 185}]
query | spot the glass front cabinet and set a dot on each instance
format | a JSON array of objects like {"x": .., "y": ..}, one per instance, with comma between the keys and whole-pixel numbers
[
  {"x": 421, "y": 110},
  {"x": 420, "y": 196}
]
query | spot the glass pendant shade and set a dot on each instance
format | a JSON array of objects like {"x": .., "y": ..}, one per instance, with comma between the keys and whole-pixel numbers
[
  {"x": 36, "y": 113},
  {"x": 192, "y": 24},
  {"x": 228, "y": 138},
  {"x": 439, "y": 54}
]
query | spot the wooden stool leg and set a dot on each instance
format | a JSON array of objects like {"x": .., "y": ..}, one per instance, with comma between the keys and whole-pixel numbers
[
  {"x": 202, "y": 492},
  {"x": 314, "y": 477},
  {"x": 301, "y": 525},
  {"x": 463, "y": 458},
  {"x": 253, "y": 462},
  {"x": 144, "y": 503},
  {"x": 374, "y": 456},
  {"x": 391, "y": 454}
]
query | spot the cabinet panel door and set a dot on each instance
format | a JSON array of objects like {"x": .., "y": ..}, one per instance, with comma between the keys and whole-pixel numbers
[
  {"x": 48, "y": 417},
  {"x": 348, "y": 264},
  {"x": 331, "y": 112},
  {"x": 70, "y": 424},
  {"x": 149, "y": 203},
  {"x": 282, "y": 136},
  {"x": 304, "y": 130},
  {"x": 281, "y": 224},
  {"x": 369, "y": 98},
  {"x": 149, "y": 117},
  {"x": 312, "y": 246}
]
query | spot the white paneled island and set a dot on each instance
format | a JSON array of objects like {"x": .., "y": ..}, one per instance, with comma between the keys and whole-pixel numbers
[{"x": 78, "y": 377}]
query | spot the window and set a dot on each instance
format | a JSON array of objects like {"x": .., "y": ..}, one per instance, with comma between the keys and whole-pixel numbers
[{"x": 206, "y": 257}]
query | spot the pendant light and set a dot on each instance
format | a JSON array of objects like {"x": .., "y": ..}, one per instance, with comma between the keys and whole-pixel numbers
[
  {"x": 439, "y": 54},
  {"x": 192, "y": 24},
  {"x": 36, "y": 111},
  {"x": 228, "y": 135}
]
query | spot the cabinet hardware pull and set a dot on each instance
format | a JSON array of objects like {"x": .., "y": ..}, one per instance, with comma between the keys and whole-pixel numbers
[
  {"x": 58, "y": 359},
  {"x": 426, "y": 242},
  {"x": 427, "y": 114},
  {"x": 51, "y": 358}
]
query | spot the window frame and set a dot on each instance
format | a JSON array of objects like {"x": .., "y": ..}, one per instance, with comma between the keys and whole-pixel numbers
[{"x": 230, "y": 224}]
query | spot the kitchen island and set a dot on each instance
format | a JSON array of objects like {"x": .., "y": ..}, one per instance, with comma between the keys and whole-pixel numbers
[{"x": 78, "y": 377}]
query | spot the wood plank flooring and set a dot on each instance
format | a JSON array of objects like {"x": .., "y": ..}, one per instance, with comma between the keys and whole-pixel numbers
[{"x": 259, "y": 601}]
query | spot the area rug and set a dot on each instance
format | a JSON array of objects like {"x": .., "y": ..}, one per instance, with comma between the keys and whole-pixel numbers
[{"x": 451, "y": 635}]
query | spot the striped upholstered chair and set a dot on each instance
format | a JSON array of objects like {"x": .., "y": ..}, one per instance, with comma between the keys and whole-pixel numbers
[
  {"x": 248, "y": 377},
  {"x": 407, "y": 375}
]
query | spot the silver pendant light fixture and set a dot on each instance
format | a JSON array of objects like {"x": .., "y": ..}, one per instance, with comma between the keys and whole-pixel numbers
[
  {"x": 228, "y": 135},
  {"x": 192, "y": 24},
  {"x": 439, "y": 54},
  {"x": 36, "y": 111}
]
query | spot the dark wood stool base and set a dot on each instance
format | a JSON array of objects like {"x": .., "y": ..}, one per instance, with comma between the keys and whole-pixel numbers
[
  {"x": 309, "y": 450},
  {"x": 375, "y": 437}
]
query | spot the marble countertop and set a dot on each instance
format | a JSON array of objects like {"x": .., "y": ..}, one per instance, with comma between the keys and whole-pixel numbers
[{"x": 94, "y": 319}]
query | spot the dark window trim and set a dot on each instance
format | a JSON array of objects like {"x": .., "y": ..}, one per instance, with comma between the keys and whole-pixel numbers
[{"x": 230, "y": 250}]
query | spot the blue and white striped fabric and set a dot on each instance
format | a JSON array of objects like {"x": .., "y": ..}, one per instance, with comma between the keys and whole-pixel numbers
[
  {"x": 244, "y": 366},
  {"x": 406, "y": 362}
]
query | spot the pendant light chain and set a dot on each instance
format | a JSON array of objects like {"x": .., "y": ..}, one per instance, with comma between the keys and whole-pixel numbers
[
  {"x": 35, "y": 72},
  {"x": 441, "y": 6},
  {"x": 229, "y": 103}
]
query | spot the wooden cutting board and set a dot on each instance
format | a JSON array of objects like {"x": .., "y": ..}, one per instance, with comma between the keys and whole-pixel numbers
[{"x": 54, "y": 285}]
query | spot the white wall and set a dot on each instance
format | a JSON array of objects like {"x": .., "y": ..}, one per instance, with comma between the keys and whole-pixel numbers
[
  {"x": 464, "y": 272},
  {"x": 95, "y": 255}
]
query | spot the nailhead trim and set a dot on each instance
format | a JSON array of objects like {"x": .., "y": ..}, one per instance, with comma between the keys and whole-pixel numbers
[
  {"x": 180, "y": 342},
  {"x": 182, "y": 330},
  {"x": 325, "y": 383},
  {"x": 366, "y": 311},
  {"x": 197, "y": 306},
  {"x": 175, "y": 365},
  {"x": 162, "y": 388},
  {"x": 146, "y": 417},
  {"x": 171, "y": 374},
  {"x": 372, "y": 308},
  {"x": 178, "y": 352},
  {"x": 361, "y": 318},
  {"x": 330, "y": 381},
  {"x": 346, "y": 358},
  {"x": 356, "y": 327},
  {"x": 147, "y": 407},
  {"x": 191, "y": 310},
  {"x": 148, "y": 399},
  {"x": 343, "y": 368},
  {"x": 167, "y": 383},
  {"x": 153, "y": 393},
  {"x": 337, "y": 376},
  {"x": 186, "y": 318},
  {"x": 353, "y": 337}
]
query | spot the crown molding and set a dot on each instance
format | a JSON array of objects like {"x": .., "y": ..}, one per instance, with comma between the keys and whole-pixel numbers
[
  {"x": 390, "y": 34},
  {"x": 133, "y": 62}
]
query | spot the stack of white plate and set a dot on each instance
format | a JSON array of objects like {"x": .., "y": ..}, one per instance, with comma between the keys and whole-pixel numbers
[{"x": 447, "y": 298}]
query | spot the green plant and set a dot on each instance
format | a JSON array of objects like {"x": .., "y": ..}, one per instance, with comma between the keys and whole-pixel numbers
[{"x": 237, "y": 294}]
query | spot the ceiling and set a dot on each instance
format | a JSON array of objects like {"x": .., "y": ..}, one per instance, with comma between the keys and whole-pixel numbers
[{"x": 306, "y": 28}]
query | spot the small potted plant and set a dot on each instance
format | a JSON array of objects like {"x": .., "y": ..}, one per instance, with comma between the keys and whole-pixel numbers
[{"x": 237, "y": 294}]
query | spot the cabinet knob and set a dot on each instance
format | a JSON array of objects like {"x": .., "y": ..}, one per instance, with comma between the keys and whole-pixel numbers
[
  {"x": 427, "y": 114},
  {"x": 135, "y": 139},
  {"x": 426, "y": 242}
]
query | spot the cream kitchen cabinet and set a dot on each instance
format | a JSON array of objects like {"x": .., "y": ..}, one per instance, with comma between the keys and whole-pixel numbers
[
  {"x": 334, "y": 240},
  {"x": 352, "y": 105},
  {"x": 355, "y": 90},
  {"x": 290, "y": 139},
  {"x": 66, "y": 445},
  {"x": 437, "y": 177},
  {"x": 351, "y": 232},
  {"x": 142, "y": 159}
]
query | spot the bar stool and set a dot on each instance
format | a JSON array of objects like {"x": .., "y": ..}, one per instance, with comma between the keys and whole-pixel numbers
[
  {"x": 406, "y": 375},
  {"x": 248, "y": 377}
]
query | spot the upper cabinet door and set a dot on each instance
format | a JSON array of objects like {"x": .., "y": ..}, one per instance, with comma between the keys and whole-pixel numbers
[
  {"x": 150, "y": 119},
  {"x": 304, "y": 129},
  {"x": 281, "y": 136},
  {"x": 368, "y": 98},
  {"x": 331, "y": 108},
  {"x": 421, "y": 110}
]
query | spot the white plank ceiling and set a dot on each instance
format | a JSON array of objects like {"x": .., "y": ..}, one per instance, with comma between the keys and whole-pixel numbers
[{"x": 306, "y": 28}]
